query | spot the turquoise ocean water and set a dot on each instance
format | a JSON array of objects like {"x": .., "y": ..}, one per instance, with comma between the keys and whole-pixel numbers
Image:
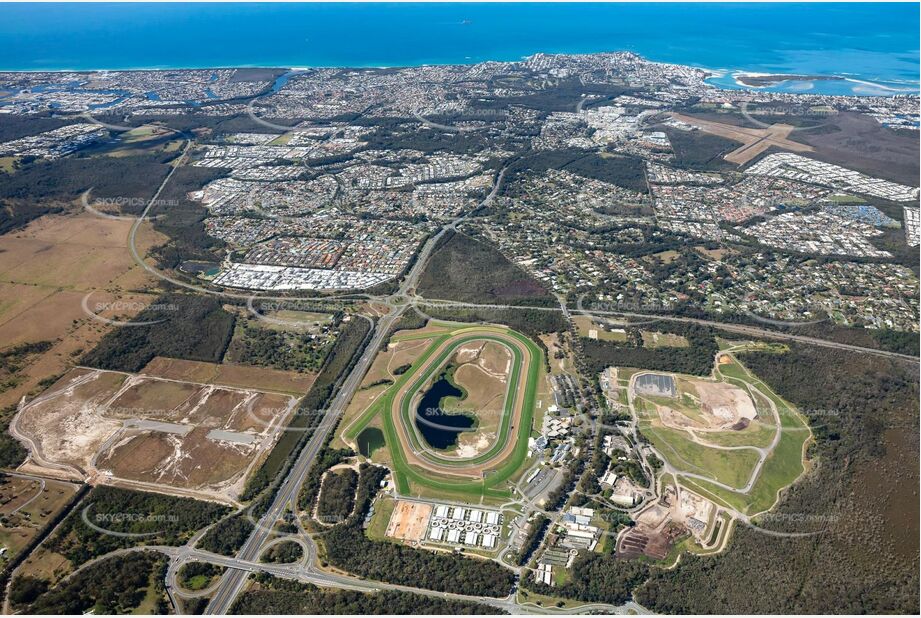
[{"x": 875, "y": 46}]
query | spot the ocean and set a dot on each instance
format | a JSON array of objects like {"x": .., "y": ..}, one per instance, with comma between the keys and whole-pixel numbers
[{"x": 874, "y": 46}]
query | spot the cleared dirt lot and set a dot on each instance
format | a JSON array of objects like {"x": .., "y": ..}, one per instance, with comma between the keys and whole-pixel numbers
[
  {"x": 409, "y": 521},
  {"x": 159, "y": 434},
  {"x": 494, "y": 359},
  {"x": 485, "y": 391},
  {"x": 483, "y": 375},
  {"x": 193, "y": 461},
  {"x": 64, "y": 425},
  {"x": 262, "y": 378},
  {"x": 701, "y": 405},
  {"x": 727, "y": 404}
]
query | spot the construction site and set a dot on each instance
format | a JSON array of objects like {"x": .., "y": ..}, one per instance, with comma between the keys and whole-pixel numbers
[{"x": 145, "y": 432}]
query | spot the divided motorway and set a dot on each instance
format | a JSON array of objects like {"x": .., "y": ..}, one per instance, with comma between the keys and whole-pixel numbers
[{"x": 234, "y": 579}]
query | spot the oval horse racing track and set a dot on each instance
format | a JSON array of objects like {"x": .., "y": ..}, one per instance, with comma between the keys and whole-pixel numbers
[{"x": 414, "y": 461}]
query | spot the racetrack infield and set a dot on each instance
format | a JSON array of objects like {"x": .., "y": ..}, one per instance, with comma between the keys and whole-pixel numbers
[{"x": 416, "y": 465}]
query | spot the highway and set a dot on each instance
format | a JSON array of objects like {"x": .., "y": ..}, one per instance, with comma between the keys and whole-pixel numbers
[
  {"x": 246, "y": 561},
  {"x": 743, "y": 329},
  {"x": 305, "y": 572},
  {"x": 234, "y": 579}
]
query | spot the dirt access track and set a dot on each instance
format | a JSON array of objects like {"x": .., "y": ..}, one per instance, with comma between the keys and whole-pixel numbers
[
  {"x": 754, "y": 141},
  {"x": 412, "y": 459}
]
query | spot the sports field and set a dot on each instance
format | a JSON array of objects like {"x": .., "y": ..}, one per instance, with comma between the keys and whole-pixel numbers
[{"x": 472, "y": 473}]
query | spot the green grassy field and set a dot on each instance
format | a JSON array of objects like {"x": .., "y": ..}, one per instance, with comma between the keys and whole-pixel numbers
[
  {"x": 756, "y": 434},
  {"x": 415, "y": 479},
  {"x": 730, "y": 467},
  {"x": 735, "y": 467},
  {"x": 785, "y": 464},
  {"x": 383, "y": 509}
]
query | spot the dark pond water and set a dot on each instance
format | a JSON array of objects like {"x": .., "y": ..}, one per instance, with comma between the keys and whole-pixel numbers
[
  {"x": 369, "y": 440},
  {"x": 439, "y": 428},
  {"x": 195, "y": 267}
]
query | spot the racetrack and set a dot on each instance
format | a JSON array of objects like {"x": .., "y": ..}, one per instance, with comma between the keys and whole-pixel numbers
[{"x": 413, "y": 460}]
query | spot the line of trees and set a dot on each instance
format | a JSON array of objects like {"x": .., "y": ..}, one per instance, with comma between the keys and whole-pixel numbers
[
  {"x": 276, "y": 596},
  {"x": 535, "y": 534},
  {"x": 348, "y": 548},
  {"x": 168, "y": 520},
  {"x": 186, "y": 326}
]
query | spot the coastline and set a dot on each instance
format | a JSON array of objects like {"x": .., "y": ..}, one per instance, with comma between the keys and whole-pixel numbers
[
  {"x": 871, "y": 43},
  {"x": 844, "y": 84},
  {"x": 883, "y": 88}
]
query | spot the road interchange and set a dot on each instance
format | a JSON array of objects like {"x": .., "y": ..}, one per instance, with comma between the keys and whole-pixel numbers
[{"x": 246, "y": 561}]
